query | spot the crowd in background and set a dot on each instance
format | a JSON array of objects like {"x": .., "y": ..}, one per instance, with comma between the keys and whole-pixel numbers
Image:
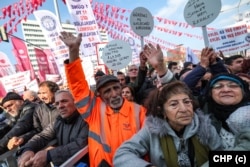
[{"x": 133, "y": 119}]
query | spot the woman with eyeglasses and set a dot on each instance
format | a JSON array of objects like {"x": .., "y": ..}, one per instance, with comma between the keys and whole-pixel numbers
[
  {"x": 225, "y": 93},
  {"x": 174, "y": 133}
]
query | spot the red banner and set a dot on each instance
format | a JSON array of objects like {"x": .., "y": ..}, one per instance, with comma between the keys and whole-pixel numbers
[
  {"x": 51, "y": 61},
  {"x": 19, "y": 65},
  {"x": 5, "y": 66},
  {"x": 42, "y": 62},
  {"x": 2, "y": 90},
  {"x": 21, "y": 54}
]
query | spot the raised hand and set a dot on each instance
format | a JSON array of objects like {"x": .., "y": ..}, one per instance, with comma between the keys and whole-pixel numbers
[
  {"x": 70, "y": 40},
  {"x": 73, "y": 43},
  {"x": 143, "y": 60},
  {"x": 155, "y": 58},
  {"x": 206, "y": 53}
]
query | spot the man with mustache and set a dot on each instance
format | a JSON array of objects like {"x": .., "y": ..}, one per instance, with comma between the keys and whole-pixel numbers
[{"x": 111, "y": 118}]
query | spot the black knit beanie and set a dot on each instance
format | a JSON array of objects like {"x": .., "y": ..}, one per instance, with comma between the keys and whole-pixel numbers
[{"x": 11, "y": 96}]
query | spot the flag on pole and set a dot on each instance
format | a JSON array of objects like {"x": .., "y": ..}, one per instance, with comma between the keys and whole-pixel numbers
[
  {"x": 191, "y": 57},
  {"x": 51, "y": 29},
  {"x": 19, "y": 65},
  {"x": 51, "y": 61},
  {"x": 42, "y": 61},
  {"x": 2, "y": 90},
  {"x": 21, "y": 55}
]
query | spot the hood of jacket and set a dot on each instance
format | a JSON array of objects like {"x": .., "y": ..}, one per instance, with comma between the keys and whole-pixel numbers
[{"x": 199, "y": 126}]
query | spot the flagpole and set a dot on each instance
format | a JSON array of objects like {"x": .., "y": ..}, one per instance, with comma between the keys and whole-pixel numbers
[
  {"x": 57, "y": 11},
  {"x": 24, "y": 41}
]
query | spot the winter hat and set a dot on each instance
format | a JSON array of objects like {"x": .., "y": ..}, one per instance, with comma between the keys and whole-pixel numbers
[
  {"x": 183, "y": 71},
  {"x": 99, "y": 73},
  {"x": 228, "y": 77},
  {"x": 11, "y": 96},
  {"x": 186, "y": 64},
  {"x": 104, "y": 80}
]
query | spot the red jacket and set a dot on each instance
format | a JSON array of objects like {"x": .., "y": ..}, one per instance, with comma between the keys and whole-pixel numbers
[{"x": 107, "y": 130}]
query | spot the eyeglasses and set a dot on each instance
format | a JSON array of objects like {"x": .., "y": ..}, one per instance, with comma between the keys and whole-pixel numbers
[
  {"x": 176, "y": 103},
  {"x": 133, "y": 69},
  {"x": 231, "y": 85}
]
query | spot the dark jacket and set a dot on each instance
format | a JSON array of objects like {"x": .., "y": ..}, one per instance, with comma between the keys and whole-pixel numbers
[
  {"x": 43, "y": 116},
  {"x": 197, "y": 73},
  {"x": 23, "y": 125},
  {"x": 71, "y": 135},
  {"x": 5, "y": 123}
]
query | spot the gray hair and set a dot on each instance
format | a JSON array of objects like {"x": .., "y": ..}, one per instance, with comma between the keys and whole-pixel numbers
[
  {"x": 32, "y": 93},
  {"x": 64, "y": 91}
]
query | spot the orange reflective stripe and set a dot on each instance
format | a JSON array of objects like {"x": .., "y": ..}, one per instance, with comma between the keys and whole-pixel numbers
[
  {"x": 97, "y": 138},
  {"x": 83, "y": 102},
  {"x": 102, "y": 130},
  {"x": 89, "y": 109}
]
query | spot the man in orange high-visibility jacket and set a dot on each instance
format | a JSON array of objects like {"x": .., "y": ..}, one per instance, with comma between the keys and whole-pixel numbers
[{"x": 112, "y": 119}]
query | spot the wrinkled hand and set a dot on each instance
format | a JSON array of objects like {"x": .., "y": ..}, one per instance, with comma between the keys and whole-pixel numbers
[
  {"x": 206, "y": 54},
  {"x": 213, "y": 58},
  {"x": 154, "y": 55},
  {"x": 73, "y": 43},
  {"x": 155, "y": 58},
  {"x": 40, "y": 159},
  {"x": 14, "y": 142},
  {"x": 70, "y": 40},
  {"x": 25, "y": 158}
]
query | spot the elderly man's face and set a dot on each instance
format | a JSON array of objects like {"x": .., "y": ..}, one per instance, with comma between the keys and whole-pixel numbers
[
  {"x": 133, "y": 71},
  {"x": 13, "y": 107},
  {"x": 111, "y": 94},
  {"x": 65, "y": 104}
]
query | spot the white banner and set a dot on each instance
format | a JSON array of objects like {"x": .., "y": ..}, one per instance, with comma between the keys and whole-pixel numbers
[
  {"x": 85, "y": 23},
  {"x": 229, "y": 40},
  {"x": 16, "y": 82},
  {"x": 54, "y": 78},
  {"x": 51, "y": 28},
  {"x": 33, "y": 85},
  {"x": 135, "y": 49}
]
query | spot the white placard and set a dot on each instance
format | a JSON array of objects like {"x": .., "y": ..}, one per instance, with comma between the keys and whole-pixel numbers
[
  {"x": 200, "y": 13},
  {"x": 16, "y": 81},
  {"x": 33, "y": 85},
  {"x": 51, "y": 29},
  {"x": 141, "y": 21},
  {"x": 85, "y": 23},
  {"x": 117, "y": 54},
  {"x": 230, "y": 40}
]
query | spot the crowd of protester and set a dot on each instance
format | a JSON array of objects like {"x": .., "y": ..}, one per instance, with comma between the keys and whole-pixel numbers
[{"x": 156, "y": 114}]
